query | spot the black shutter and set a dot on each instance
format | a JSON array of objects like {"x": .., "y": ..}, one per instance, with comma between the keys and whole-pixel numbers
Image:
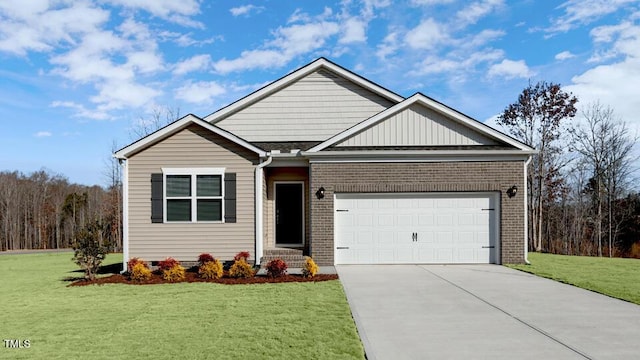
[
  {"x": 157, "y": 193},
  {"x": 230, "y": 197}
]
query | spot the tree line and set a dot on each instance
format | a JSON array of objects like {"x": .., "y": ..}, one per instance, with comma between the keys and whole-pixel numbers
[
  {"x": 43, "y": 210},
  {"x": 582, "y": 194}
]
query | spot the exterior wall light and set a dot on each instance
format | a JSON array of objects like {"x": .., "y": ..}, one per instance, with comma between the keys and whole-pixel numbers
[
  {"x": 320, "y": 193},
  {"x": 512, "y": 191}
]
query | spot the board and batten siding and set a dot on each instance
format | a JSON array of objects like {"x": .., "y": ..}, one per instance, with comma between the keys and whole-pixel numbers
[
  {"x": 192, "y": 147},
  {"x": 313, "y": 108},
  {"x": 417, "y": 126}
]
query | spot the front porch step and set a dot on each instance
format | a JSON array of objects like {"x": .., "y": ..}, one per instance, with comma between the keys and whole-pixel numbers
[{"x": 293, "y": 257}]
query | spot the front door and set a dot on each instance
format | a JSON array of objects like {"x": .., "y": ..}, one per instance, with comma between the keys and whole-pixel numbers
[{"x": 289, "y": 214}]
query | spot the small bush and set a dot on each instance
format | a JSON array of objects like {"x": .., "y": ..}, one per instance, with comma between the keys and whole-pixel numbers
[
  {"x": 140, "y": 272},
  {"x": 211, "y": 270},
  {"x": 242, "y": 255},
  {"x": 310, "y": 269},
  {"x": 634, "y": 252},
  {"x": 241, "y": 269},
  {"x": 167, "y": 264},
  {"x": 205, "y": 258},
  {"x": 176, "y": 273},
  {"x": 89, "y": 249},
  {"x": 276, "y": 268},
  {"x": 135, "y": 261}
]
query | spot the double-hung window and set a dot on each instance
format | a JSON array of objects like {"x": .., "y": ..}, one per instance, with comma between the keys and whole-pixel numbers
[{"x": 194, "y": 195}]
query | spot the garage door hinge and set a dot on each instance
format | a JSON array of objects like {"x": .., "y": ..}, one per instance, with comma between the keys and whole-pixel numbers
[
  {"x": 491, "y": 209},
  {"x": 342, "y": 248},
  {"x": 341, "y": 210},
  {"x": 488, "y": 247}
]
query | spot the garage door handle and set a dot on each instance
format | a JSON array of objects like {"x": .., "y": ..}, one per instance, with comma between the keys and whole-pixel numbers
[
  {"x": 342, "y": 248},
  {"x": 341, "y": 210},
  {"x": 488, "y": 247}
]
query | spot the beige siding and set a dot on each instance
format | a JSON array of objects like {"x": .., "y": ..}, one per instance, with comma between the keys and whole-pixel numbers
[
  {"x": 417, "y": 126},
  {"x": 314, "y": 108},
  {"x": 190, "y": 148}
]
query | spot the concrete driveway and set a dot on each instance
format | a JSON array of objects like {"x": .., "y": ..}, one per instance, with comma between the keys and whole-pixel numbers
[{"x": 484, "y": 312}]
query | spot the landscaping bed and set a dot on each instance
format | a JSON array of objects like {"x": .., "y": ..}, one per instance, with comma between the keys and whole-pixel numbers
[{"x": 192, "y": 277}]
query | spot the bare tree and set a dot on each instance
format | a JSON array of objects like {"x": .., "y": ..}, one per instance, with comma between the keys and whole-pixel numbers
[
  {"x": 605, "y": 147},
  {"x": 159, "y": 117},
  {"x": 536, "y": 119}
]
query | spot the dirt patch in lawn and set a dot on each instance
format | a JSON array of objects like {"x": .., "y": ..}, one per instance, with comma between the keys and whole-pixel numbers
[{"x": 193, "y": 277}]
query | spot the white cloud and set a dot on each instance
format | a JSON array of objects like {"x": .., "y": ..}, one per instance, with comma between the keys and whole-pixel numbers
[
  {"x": 289, "y": 42},
  {"x": 195, "y": 63},
  {"x": 245, "y": 10},
  {"x": 564, "y": 55},
  {"x": 426, "y": 35},
  {"x": 430, "y": 2},
  {"x": 353, "y": 31},
  {"x": 582, "y": 12},
  {"x": 202, "y": 92},
  {"x": 475, "y": 11},
  {"x": 41, "y": 134},
  {"x": 34, "y": 26},
  {"x": 613, "y": 84},
  {"x": 457, "y": 66},
  {"x": 510, "y": 69},
  {"x": 482, "y": 38},
  {"x": 389, "y": 45},
  {"x": 178, "y": 12},
  {"x": 81, "y": 111}
]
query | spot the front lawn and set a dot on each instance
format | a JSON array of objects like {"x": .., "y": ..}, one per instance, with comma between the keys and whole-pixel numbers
[
  {"x": 172, "y": 321},
  {"x": 616, "y": 277}
]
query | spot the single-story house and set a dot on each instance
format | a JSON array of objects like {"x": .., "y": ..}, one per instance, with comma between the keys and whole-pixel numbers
[{"x": 326, "y": 163}]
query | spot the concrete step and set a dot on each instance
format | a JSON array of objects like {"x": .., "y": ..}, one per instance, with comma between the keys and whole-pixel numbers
[{"x": 293, "y": 257}]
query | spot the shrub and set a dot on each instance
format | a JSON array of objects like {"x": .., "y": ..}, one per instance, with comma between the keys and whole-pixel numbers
[
  {"x": 140, "y": 272},
  {"x": 167, "y": 264},
  {"x": 276, "y": 268},
  {"x": 205, "y": 258},
  {"x": 310, "y": 269},
  {"x": 210, "y": 270},
  {"x": 89, "y": 250},
  {"x": 241, "y": 255},
  {"x": 241, "y": 269},
  {"x": 175, "y": 273},
  {"x": 635, "y": 250},
  {"x": 135, "y": 261}
]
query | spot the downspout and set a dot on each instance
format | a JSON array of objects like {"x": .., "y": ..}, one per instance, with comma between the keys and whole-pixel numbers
[
  {"x": 125, "y": 214},
  {"x": 526, "y": 212},
  {"x": 259, "y": 210}
]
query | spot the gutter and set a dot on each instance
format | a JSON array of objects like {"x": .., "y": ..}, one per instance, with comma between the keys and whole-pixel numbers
[
  {"x": 526, "y": 212},
  {"x": 259, "y": 210},
  {"x": 400, "y": 153}
]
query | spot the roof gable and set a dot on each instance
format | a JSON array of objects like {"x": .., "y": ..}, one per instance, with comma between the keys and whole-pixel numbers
[
  {"x": 177, "y": 126},
  {"x": 420, "y": 121},
  {"x": 310, "y": 104}
]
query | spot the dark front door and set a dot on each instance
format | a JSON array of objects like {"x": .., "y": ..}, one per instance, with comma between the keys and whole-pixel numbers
[{"x": 289, "y": 213}]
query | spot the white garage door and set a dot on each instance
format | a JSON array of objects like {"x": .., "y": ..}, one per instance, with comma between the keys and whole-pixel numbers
[{"x": 443, "y": 228}]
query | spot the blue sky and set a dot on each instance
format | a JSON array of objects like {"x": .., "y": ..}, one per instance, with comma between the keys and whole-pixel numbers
[{"x": 78, "y": 75}]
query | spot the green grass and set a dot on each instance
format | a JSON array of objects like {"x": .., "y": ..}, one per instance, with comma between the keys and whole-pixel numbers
[
  {"x": 173, "y": 321},
  {"x": 615, "y": 277}
]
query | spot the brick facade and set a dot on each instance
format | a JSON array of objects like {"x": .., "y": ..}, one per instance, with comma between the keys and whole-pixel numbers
[{"x": 418, "y": 177}]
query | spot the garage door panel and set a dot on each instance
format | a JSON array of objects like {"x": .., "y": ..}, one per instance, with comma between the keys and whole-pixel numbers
[{"x": 416, "y": 228}]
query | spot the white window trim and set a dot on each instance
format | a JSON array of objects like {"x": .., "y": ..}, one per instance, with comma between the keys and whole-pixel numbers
[{"x": 193, "y": 173}]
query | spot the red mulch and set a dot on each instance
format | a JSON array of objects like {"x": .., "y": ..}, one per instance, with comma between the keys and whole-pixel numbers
[{"x": 193, "y": 277}]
